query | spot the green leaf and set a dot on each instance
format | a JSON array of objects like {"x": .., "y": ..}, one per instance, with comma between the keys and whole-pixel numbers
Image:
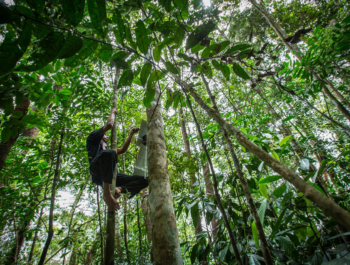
[
  {"x": 184, "y": 56},
  {"x": 346, "y": 20},
  {"x": 280, "y": 190},
  {"x": 239, "y": 47},
  {"x": 65, "y": 92},
  {"x": 149, "y": 96},
  {"x": 255, "y": 234},
  {"x": 97, "y": 12},
  {"x": 105, "y": 53},
  {"x": 50, "y": 48},
  {"x": 288, "y": 118},
  {"x": 146, "y": 69},
  {"x": 285, "y": 244},
  {"x": 225, "y": 70},
  {"x": 181, "y": 4},
  {"x": 179, "y": 36},
  {"x": 269, "y": 179},
  {"x": 126, "y": 78},
  {"x": 5, "y": 134},
  {"x": 240, "y": 71},
  {"x": 199, "y": 34},
  {"x": 73, "y": 10},
  {"x": 285, "y": 140},
  {"x": 194, "y": 214},
  {"x": 222, "y": 253},
  {"x": 11, "y": 51},
  {"x": 120, "y": 63},
  {"x": 275, "y": 156},
  {"x": 263, "y": 190},
  {"x": 70, "y": 47},
  {"x": 38, "y": 5},
  {"x": 141, "y": 37},
  {"x": 121, "y": 32},
  {"x": 156, "y": 54},
  {"x": 278, "y": 223},
  {"x": 262, "y": 210},
  {"x": 171, "y": 68},
  {"x": 89, "y": 46}
]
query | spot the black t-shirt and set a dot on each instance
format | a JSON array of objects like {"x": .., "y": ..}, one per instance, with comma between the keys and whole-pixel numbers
[{"x": 94, "y": 143}]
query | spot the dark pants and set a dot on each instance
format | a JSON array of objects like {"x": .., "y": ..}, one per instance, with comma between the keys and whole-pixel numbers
[{"x": 102, "y": 168}]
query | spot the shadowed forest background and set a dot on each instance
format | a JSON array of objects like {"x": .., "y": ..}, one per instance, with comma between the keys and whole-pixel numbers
[{"x": 248, "y": 111}]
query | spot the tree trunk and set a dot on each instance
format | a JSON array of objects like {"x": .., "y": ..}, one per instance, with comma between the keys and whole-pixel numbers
[
  {"x": 146, "y": 212},
  {"x": 139, "y": 227},
  {"x": 110, "y": 228},
  {"x": 216, "y": 192},
  {"x": 328, "y": 206},
  {"x": 5, "y": 148},
  {"x": 198, "y": 227},
  {"x": 35, "y": 236},
  {"x": 166, "y": 247},
  {"x": 126, "y": 231},
  {"x": 210, "y": 192},
  {"x": 52, "y": 206}
]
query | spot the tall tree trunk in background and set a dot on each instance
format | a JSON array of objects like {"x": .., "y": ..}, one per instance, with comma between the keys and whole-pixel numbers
[
  {"x": 198, "y": 227},
  {"x": 294, "y": 48},
  {"x": 5, "y": 148},
  {"x": 210, "y": 192},
  {"x": 74, "y": 206},
  {"x": 52, "y": 206},
  {"x": 126, "y": 231},
  {"x": 110, "y": 229},
  {"x": 328, "y": 206},
  {"x": 166, "y": 247},
  {"x": 139, "y": 227},
  {"x": 216, "y": 192},
  {"x": 244, "y": 183},
  {"x": 35, "y": 236},
  {"x": 100, "y": 223},
  {"x": 144, "y": 195}
]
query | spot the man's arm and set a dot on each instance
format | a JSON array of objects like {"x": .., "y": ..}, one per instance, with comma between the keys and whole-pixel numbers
[
  {"x": 110, "y": 121},
  {"x": 127, "y": 142}
]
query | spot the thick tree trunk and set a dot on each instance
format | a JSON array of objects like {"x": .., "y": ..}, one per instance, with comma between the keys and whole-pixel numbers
[
  {"x": 110, "y": 228},
  {"x": 146, "y": 212},
  {"x": 328, "y": 206},
  {"x": 5, "y": 148},
  {"x": 166, "y": 246},
  {"x": 52, "y": 206},
  {"x": 293, "y": 48},
  {"x": 210, "y": 192}
]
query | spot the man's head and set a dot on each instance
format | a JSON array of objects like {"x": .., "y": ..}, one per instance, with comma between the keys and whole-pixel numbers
[{"x": 105, "y": 138}]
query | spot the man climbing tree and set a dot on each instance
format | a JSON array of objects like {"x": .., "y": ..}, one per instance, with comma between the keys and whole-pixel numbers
[{"x": 103, "y": 161}]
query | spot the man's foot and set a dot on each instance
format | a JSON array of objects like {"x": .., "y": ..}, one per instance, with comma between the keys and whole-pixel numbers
[
  {"x": 111, "y": 202},
  {"x": 118, "y": 192}
]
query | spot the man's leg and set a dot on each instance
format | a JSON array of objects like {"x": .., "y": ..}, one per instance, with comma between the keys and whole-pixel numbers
[
  {"x": 131, "y": 184},
  {"x": 107, "y": 161}
]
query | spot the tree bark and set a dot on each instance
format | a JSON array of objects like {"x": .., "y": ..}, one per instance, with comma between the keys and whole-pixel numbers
[
  {"x": 166, "y": 247},
  {"x": 5, "y": 148},
  {"x": 52, "y": 206},
  {"x": 146, "y": 212},
  {"x": 100, "y": 224},
  {"x": 329, "y": 207},
  {"x": 110, "y": 228},
  {"x": 210, "y": 192}
]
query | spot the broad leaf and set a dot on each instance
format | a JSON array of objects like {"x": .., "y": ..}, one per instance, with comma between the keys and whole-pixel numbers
[
  {"x": 280, "y": 190},
  {"x": 194, "y": 214},
  {"x": 97, "y": 12},
  {"x": 255, "y": 234},
  {"x": 121, "y": 32},
  {"x": 156, "y": 54},
  {"x": 70, "y": 47},
  {"x": 278, "y": 223},
  {"x": 89, "y": 46},
  {"x": 171, "y": 68},
  {"x": 73, "y": 10},
  {"x": 37, "y": 5},
  {"x": 240, "y": 71},
  {"x": 120, "y": 63},
  {"x": 50, "y": 48},
  {"x": 285, "y": 140},
  {"x": 105, "y": 53},
  {"x": 141, "y": 37},
  {"x": 263, "y": 190},
  {"x": 12, "y": 50},
  {"x": 239, "y": 47},
  {"x": 146, "y": 69},
  {"x": 269, "y": 179},
  {"x": 199, "y": 34},
  {"x": 262, "y": 210},
  {"x": 149, "y": 97},
  {"x": 126, "y": 78}
]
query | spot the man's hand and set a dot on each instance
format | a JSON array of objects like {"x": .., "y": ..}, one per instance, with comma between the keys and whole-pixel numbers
[
  {"x": 134, "y": 130},
  {"x": 114, "y": 111}
]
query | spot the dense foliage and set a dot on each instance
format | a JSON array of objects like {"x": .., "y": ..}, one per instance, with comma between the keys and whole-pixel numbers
[{"x": 59, "y": 62}]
